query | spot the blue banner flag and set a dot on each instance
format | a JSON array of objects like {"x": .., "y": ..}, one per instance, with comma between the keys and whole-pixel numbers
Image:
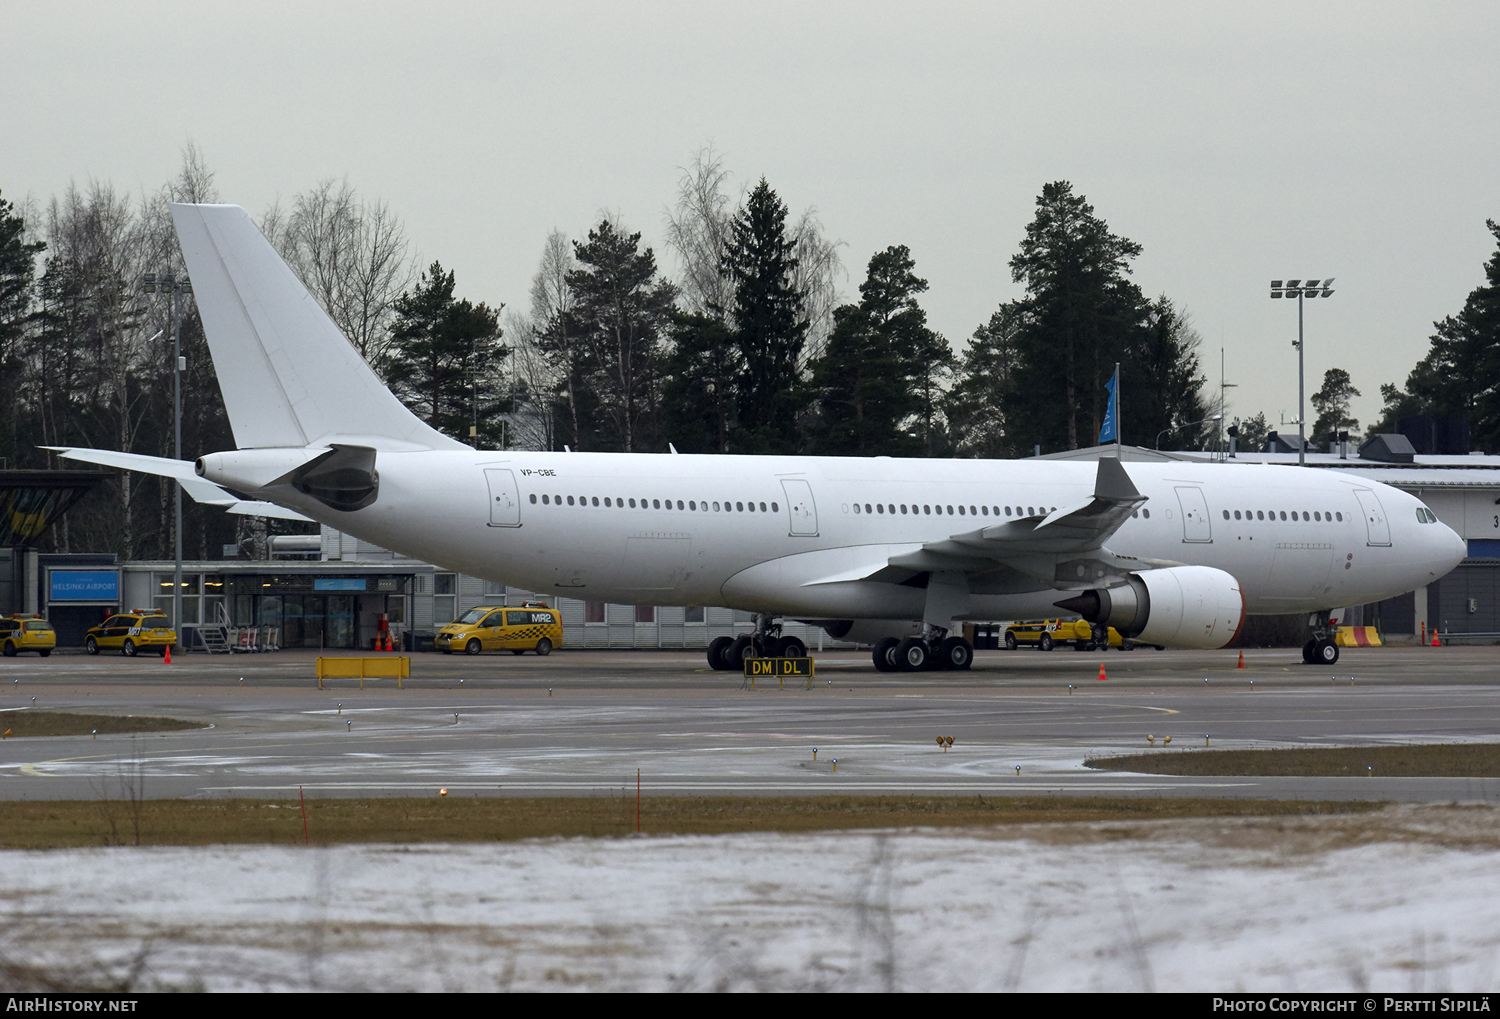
[{"x": 1109, "y": 431}]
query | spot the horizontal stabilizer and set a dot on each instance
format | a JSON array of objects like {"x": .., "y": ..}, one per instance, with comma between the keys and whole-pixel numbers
[{"x": 201, "y": 491}]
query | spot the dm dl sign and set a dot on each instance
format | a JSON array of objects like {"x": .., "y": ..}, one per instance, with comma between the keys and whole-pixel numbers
[
  {"x": 83, "y": 586},
  {"x": 780, "y": 668}
]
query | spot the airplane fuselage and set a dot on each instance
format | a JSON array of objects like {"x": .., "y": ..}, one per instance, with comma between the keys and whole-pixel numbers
[{"x": 799, "y": 536}]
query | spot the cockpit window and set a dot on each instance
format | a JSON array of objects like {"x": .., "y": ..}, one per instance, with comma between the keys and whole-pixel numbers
[{"x": 1425, "y": 515}]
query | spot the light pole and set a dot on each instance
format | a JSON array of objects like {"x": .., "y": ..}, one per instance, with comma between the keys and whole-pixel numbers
[
  {"x": 166, "y": 283},
  {"x": 1300, "y": 289},
  {"x": 1187, "y": 424}
]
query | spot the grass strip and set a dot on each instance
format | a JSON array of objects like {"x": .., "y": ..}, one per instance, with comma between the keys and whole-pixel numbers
[
  {"x": 31, "y": 722},
  {"x": 52, "y": 824},
  {"x": 1440, "y": 760}
]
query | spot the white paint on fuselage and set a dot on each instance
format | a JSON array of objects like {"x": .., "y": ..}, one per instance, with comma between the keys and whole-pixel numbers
[{"x": 435, "y": 505}]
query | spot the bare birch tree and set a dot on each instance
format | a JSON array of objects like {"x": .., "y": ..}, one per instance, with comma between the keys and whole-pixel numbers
[{"x": 351, "y": 253}]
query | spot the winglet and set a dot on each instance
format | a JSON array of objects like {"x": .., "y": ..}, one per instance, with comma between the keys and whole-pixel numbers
[{"x": 1113, "y": 483}]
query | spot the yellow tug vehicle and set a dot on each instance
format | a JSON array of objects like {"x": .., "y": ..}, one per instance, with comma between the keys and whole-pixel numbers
[
  {"x": 1046, "y": 634},
  {"x": 26, "y": 633},
  {"x": 532, "y": 627},
  {"x": 130, "y": 633}
]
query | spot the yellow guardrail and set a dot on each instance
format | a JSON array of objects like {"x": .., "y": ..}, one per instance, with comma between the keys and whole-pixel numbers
[{"x": 391, "y": 667}]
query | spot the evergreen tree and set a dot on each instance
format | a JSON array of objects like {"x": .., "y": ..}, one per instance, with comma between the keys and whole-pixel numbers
[
  {"x": 17, "y": 270},
  {"x": 769, "y": 325},
  {"x": 986, "y": 376},
  {"x": 700, "y": 394},
  {"x": 879, "y": 381},
  {"x": 1460, "y": 376},
  {"x": 446, "y": 360},
  {"x": 1332, "y": 406},
  {"x": 1253, "y": 432},
  {"x": 620, "y": 311},
  {"x": 1160, "y": 383},
  {"x": 1081, "y": 308}
]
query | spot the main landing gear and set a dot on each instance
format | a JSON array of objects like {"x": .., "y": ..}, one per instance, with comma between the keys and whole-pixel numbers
[
  {"x": 933, "y": 650},
  {"x": 1321, "y": 650},
  {"x": 728, "y": 654}
]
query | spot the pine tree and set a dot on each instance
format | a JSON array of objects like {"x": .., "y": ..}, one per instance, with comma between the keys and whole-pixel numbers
[
  {"x": 768, "y": 320},
  {"x": 986, "y": 376},
  {"x": 446, "y": 361},
  {"x": 1331, "y": 403},
  {"x": 700, "y": 394},
  {"x": 17, "y": 271}
]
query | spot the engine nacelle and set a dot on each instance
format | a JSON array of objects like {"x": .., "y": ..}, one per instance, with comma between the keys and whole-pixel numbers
[{"x": 1184, "y": 607}]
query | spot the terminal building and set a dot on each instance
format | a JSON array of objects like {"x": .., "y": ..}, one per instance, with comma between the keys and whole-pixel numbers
[{"x": 331, "y": 590}]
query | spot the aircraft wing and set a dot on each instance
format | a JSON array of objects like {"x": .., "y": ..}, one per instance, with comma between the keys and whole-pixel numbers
[
  {"x": 1063, "y": 549},
  {"x": 200, "y": 490}
]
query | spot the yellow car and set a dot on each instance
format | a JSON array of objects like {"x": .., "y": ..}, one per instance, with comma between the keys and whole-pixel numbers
[
  {"x": 26, "y": 633},
  {"x": 1049, "y": 633},
  {"x": 533, "y": 627},
  {"x": 132, "y": 632}
]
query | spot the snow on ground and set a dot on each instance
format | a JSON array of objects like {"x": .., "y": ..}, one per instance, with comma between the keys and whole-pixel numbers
[{"x": 1408, "y": 899}]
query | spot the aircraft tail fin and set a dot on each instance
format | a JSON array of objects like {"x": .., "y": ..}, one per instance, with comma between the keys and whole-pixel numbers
[{"x": 288, "y": 375}]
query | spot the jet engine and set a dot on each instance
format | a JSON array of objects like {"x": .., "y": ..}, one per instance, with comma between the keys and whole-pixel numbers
[{"x": 1183, "y": 607}]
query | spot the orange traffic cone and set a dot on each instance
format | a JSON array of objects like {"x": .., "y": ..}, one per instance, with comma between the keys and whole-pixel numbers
[
  {"x": 1435, "y": 640},
  {"x": 1242, "y": 661},
  {"x": 1102, "y": 676},
  {"x": 168, "y": 655}
]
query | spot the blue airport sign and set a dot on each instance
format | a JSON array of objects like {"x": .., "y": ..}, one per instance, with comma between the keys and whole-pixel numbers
[
  {"x": 338, "y": 583},
  {"x": 84, "y": 585}
]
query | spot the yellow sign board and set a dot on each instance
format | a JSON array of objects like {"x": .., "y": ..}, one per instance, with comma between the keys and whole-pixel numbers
[{"x": 802, "y": 668}]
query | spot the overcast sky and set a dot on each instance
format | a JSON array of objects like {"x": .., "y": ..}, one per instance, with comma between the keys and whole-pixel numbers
[{"x": 1236, "y": 143}]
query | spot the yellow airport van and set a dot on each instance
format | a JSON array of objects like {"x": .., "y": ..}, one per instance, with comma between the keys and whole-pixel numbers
[
  {"x": 26, "y": 633},
  {"x": 131, "y": 633},
  {"x": 532, "y": 627}
]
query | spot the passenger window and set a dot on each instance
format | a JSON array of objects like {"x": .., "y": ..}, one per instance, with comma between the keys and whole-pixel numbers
[
  {"x": 546, "y": 500},
  {"x": 1340, "y": 517},
  {"x": 533, "y": 498},
  {"x": 762, "y": 507},
  {"x": 961, "y": 511},
  {"x": 1226, "y": 514},
  {"x": 950, "y": 511},
  {"x": 973, "y": 512},
  {"x": 985, "y": 510},
  {"x": 927, "y": 509},
  {"x": 879, "y": 508},
  {"x": 1146, "y": 513},
  {"x": 692, "y": 505},
  {"x": 570, "y": 500},
  {"x": 739, "y": 507},
  {"x": 903, "y": 509},
  {"x": 1007, "y": 512},
  {"x": 716, "y": 507},
  {"x": 775, "y": 508}
]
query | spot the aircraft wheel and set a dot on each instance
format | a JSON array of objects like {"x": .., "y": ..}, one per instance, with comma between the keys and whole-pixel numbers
[
  {"x": 1125, "y": 645},
  {"x": 955, "y": 653},
  {"x": 1309, "y": 652},
  {"x": 1010, "y": 641},
  {"x": 544, "y": 647},
  {"x": 129, "y": 649},
  {"x": 1327, "y": 652},
  {"x": 473, "y": 647},
  {"x": 91, "y": 646},
  {"x": 882, "y": 655},
  {"x": 734, "y": 656},
  {"x": 716, "y": 649},
  {"x": 911, "y": 655},
  {"x": 1044, "y": 642},
  {"x": 792, "y": 647}
]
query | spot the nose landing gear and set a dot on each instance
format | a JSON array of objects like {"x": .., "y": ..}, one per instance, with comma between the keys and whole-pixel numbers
[
  {"x": 1320, "y": 650},
  {"x": 728, "y": 654}
]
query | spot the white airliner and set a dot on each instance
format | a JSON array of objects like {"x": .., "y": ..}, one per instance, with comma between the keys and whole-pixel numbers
[{"x": 889, "y": 552}]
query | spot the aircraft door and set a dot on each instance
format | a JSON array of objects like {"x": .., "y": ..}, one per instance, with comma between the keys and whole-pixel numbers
[
  {"x": 800, "y": 505},
  {"x": 1195, "y": 524},
  {"x": 1377, "y": 528},
  {"x": 505, "y": 499}
]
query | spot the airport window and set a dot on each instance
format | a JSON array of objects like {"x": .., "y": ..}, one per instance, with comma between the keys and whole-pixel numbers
[
  {"x": 533, "y": 498},
  {"x": 444, "y": 587},
  {"x": 645, "y": 613},
  {"x": 593, "y": 612},
  {"x": 693, "y": 614}
]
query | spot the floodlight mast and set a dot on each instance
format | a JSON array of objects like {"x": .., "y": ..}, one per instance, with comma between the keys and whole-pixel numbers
[{"x": 1299, "y": 289}]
